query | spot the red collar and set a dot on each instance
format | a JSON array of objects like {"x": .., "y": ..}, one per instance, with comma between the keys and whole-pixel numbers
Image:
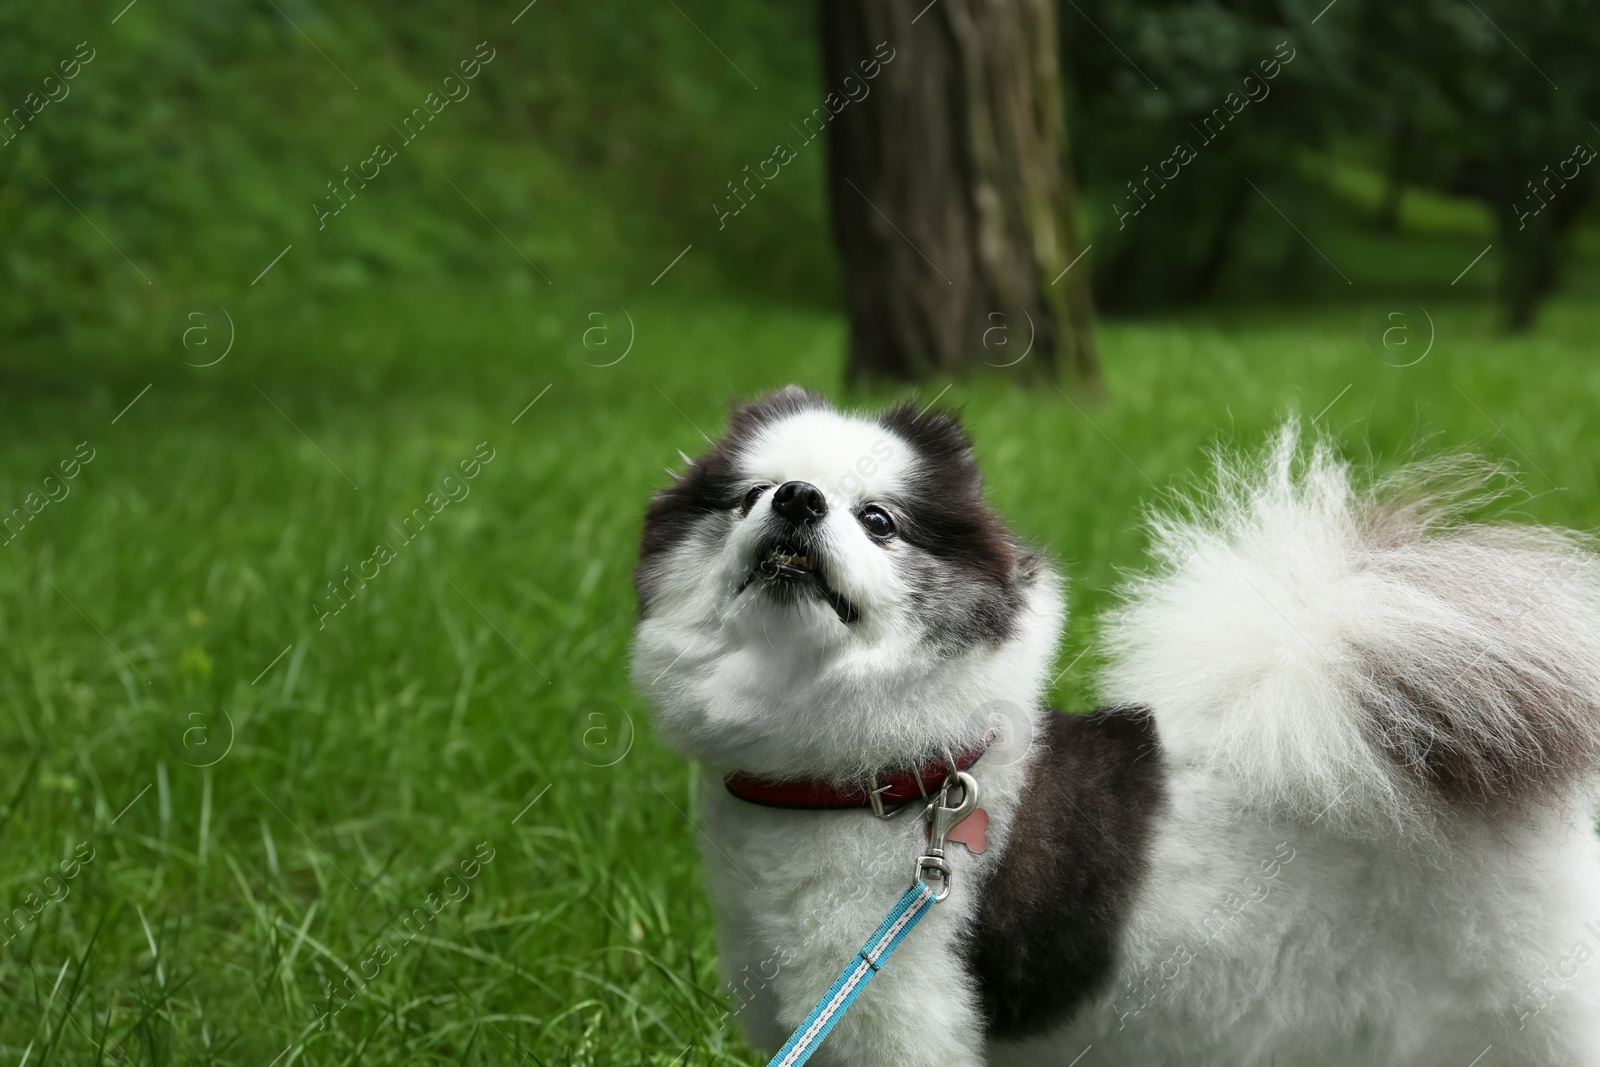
[{"x": 820, "y": 794}]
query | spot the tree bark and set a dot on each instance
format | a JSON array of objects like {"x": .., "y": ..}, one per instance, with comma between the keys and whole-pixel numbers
[
  {"x": 1397, "y": 166},
  {"x": 953, "y": 203},
  {"x": 1531, "y": 233},
  {"x": 1535, "y": 255}
]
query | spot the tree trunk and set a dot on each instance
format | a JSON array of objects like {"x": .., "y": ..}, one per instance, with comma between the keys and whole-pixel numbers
[
  {"x": 1397, "y": 166},
  {"x": 1534, "y": 244},
  {"x": 953, "y": 202}
]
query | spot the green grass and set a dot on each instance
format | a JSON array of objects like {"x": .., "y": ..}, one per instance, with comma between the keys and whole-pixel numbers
[{"x": 486, "y": 666}]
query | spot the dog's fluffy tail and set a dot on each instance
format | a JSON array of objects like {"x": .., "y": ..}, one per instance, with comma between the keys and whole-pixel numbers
[{"x": 1358, "y": 652}]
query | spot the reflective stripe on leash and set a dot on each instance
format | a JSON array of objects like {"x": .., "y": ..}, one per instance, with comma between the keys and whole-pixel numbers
[{"x": 907, "y": 912}]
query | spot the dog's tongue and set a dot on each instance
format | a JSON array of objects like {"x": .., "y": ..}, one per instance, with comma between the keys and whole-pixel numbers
[{"x": 973, "y": 831}]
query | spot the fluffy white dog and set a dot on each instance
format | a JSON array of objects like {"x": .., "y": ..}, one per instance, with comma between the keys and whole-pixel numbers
[{"x": 1338, "y": 810}]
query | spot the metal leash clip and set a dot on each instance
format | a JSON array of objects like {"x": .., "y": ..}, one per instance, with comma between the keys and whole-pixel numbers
[{"x": 932, "y": 866}]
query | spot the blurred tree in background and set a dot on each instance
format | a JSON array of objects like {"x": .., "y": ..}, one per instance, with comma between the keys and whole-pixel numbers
[
  {"x": 1439, "y": 96},
  {"x": 1464, "y": 108},
  {"x": 1170, "y": 161},
  {"x": 952, "y": 194},
  {"x": 193, "y": 140}
]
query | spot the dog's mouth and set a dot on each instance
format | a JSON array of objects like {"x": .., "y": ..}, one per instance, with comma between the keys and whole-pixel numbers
[
  {"x": 783, "y": 561},
  {"x": 789, "y": 572}
]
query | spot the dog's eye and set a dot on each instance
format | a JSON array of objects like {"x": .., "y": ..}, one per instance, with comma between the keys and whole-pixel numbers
[
  {"x": 752, "y": 496},
  {"x": 876, "y": 520}
]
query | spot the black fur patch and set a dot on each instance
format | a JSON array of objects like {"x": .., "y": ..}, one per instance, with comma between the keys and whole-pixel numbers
[
  {"x": 948, "y": 515},
  {"x": 975, "y": 597},
  {"x": 1052, "y": 911},
  {"x": 1520, "y": 747},
  {"x": 709, "y": 484}
]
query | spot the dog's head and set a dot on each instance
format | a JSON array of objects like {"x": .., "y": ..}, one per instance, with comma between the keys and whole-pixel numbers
[{"x": 822, "y": 592}]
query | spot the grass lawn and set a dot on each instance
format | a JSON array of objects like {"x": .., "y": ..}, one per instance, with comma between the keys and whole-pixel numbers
[{"x": 271, "y": 779}]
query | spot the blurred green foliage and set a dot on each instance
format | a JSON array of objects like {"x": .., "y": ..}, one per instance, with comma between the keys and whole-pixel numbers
[
  {"x": 1449, "y": 97},
  {"x": 200, "y": 135}
]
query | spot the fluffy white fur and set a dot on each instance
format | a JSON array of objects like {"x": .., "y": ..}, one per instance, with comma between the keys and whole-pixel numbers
[
  {"x": 1310, "y": 898},
  {"x": 1294, "y": 611},
  {"x": 1402, "y": 929},
  {"x": 1287, "y": 943}
]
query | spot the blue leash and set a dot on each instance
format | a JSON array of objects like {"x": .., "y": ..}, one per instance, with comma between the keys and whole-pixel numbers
[
  {"x": 913, "y": 904},
  {"x": 907, "y": 912}
]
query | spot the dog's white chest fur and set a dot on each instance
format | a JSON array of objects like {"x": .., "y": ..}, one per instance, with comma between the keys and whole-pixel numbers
[{"x": 798, "y": 892}]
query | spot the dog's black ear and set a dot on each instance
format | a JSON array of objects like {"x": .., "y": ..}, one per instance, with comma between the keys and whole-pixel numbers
[
  {"x": 938, "y": 436},
  {"x": 748, "y": 415}
]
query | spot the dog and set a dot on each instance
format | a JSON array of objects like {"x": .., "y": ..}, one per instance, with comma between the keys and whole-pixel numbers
[{"x": 1338, "y": 807}]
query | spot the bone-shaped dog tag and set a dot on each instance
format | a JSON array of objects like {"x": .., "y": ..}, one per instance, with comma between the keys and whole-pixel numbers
[{"x": 973, "y": 831}]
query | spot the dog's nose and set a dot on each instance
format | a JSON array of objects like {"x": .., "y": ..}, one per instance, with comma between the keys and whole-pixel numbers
[{"x": 799, "y": 502}]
